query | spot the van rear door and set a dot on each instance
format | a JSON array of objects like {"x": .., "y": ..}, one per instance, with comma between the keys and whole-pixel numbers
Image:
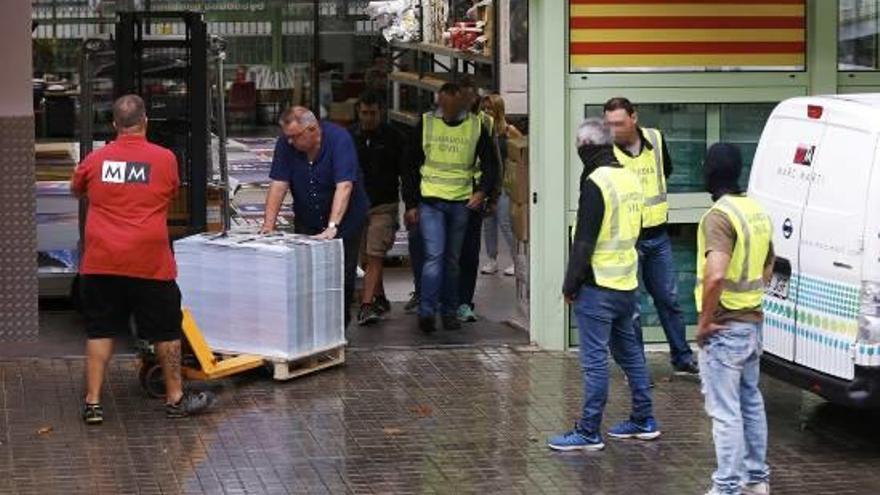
[
  {"x": 789, "y": 140},
  {"x": 832, "y": 242}
]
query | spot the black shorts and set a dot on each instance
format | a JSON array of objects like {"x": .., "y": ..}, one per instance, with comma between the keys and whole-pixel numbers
[{"x": 109, "y": 301}]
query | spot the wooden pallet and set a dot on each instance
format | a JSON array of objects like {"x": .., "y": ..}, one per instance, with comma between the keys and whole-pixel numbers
[{"x": 287, "y": 370}]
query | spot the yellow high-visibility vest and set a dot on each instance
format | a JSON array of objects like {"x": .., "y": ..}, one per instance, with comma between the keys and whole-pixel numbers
[
  {"x": 450, "y": 153},
  {"x": 648, "y": 166},
  {"x": 744, "y": 280},
  {"x": 615, "y": 260}
]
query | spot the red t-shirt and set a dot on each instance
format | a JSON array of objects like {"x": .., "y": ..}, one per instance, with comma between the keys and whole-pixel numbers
[{"x": 129, "y": 184}]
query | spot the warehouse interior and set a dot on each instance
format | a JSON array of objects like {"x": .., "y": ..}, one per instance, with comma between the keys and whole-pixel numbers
[
  {"x": 255, "y": 58},
  {"x": 260, "y": 55}
]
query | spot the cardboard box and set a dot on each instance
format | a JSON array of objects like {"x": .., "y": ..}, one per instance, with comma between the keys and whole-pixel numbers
[
  {"x": 519, "y": 217},
  {"x": 517, "y": 170}
]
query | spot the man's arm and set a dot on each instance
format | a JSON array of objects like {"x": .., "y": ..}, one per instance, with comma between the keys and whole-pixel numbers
[
  {"x": 346, "y": 171},
  {"x": 713, "y": 284},
  {"x": 499, "y": 171},
  {"x": 400, "y": 154},
  {"x": 79, "y": 182},
  {"x": 280, "y": 175},
  {"x": 667, "y": 160},
  {"x": 274, "y": 198},
  {"x": 720, "y": 238},
  {"x": 173, "y": 176},
  {"x": 341, "y": 198},
  {"x": 411, "y": 177},
  {"x": 487, "y": 151},
  {"x": 768, "y": 264},
  {"x": 591, "y": 209}
]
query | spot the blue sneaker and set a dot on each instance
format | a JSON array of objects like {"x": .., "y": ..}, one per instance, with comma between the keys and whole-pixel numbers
[
  {"x": 631, "y": 429},
  {"x": 466, "y": 314},
  {"x": 576, "y": 440}
]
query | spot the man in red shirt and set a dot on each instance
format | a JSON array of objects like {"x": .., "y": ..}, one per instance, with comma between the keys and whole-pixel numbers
[{"x": 128, "y": 267}]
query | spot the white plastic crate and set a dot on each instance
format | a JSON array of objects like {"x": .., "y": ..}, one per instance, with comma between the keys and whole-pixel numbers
[{"x": 278, "y": 296}]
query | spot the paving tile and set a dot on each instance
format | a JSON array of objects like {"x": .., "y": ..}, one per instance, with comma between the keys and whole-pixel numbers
[{"x": 464, "y": 420}]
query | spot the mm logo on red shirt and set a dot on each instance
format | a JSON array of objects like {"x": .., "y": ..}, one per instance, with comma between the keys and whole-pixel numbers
[{"x": 114, "y": 172}]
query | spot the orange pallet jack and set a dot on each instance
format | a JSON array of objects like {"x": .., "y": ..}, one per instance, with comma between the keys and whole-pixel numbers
[{"x": 199, "y": 361}]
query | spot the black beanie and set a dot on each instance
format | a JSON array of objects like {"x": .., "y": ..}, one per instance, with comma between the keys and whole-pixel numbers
[{"x": 722, "y": 168}]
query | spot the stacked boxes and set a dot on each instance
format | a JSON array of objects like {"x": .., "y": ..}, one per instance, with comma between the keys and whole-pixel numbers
[
  {"x": 57, "y": 217},
  {"x": 57, "y": 209},
  {"x": 516, "y": 184},
  {"x": 278, "y": 296}
]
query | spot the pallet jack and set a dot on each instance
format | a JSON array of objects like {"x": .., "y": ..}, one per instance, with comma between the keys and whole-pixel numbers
[{"x": 199, "y": 362}]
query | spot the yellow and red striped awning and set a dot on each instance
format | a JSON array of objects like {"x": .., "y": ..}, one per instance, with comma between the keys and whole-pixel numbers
[{"x": 615, "y": 35}]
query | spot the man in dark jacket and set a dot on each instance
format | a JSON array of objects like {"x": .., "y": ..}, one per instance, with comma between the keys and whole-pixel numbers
[
  {"x": 600, "y": 284},
  {"x": 380, "y": 153}
]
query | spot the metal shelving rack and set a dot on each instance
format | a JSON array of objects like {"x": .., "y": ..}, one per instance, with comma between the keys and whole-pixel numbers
[{"x": 427, "y": 79}]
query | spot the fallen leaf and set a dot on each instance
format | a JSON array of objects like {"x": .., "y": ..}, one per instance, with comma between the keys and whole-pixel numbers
[
  {"x": 422, "y": 410},
  {"x": 44, "y": 430},
  {"x": 392, "y": 431}
]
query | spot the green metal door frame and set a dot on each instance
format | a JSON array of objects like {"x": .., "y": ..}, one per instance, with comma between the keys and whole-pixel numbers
[{"x": 556, "y": 100}]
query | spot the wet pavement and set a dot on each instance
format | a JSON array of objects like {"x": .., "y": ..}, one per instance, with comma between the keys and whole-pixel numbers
[{"x": 419, "y": 420}]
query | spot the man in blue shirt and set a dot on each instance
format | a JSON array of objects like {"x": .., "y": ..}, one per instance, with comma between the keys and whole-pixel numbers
[{"x": 317, "y": 162}]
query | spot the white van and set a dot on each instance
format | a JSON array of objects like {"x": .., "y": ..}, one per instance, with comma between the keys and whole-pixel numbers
[{"x": 817, "y": 172}]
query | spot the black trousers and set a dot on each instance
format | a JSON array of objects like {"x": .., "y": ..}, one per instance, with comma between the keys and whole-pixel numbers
[
  {"x": 351, "y": 245},
  {"x": 470, "y": 259}
]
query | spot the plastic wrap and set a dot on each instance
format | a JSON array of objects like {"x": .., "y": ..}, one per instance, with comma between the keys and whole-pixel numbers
[
  {"x": 399, "y": 19},
  {"x": 278, "y": 296}
]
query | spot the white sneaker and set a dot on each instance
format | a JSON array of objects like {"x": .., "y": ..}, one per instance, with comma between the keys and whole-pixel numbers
[
  {"x": 510, "y": 271},
  {"x": 762, "y": 488},
  {"x": 490, "y": 268}
]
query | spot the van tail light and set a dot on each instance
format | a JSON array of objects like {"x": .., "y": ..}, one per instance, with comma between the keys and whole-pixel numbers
[
  {"x": 814, "y": 111},
  {"x": 869, "y": 316}
]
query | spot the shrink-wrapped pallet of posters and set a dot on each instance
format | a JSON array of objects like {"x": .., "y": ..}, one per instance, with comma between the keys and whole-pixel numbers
[{"x": 278, "y": 296}]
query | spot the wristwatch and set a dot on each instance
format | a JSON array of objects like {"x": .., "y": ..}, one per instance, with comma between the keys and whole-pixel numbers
[{"x": 332, "y": 225}]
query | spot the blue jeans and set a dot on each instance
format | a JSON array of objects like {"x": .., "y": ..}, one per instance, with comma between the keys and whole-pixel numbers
[
  {"x": 470, "y": 258},
  {"x": 604, "y": 319},
  {"x": 416, "y": 246},
  {"x": 729, "y": 369},
  {"x": 499, "y": 220},
  {"x": 658, "y": 278},
  {"x": 443, "y": 225}
]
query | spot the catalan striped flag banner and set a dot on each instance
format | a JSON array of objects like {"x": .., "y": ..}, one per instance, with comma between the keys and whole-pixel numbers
[{"x": 674, "y": 35}]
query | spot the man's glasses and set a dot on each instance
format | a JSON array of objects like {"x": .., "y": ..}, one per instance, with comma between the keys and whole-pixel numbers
[{"x": 295, "y": 137}]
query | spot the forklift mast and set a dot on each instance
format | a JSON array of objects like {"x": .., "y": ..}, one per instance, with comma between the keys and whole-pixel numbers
[{"x": 171, "y": 74}]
